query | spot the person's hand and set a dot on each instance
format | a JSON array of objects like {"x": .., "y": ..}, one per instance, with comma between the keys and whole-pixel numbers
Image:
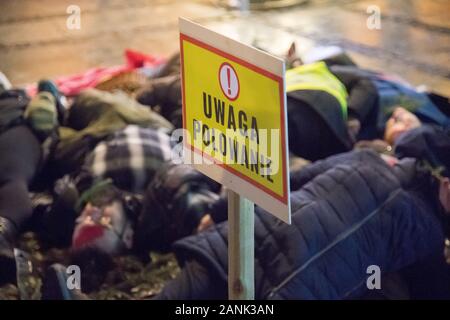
[
  {"x": 205, "y": 223},
  {"x": 444, "y": 194}
]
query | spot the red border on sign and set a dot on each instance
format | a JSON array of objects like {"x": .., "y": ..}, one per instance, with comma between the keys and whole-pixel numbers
[
  {"x": 239, "y": 85},
  {"x": 256, "y": 69}
]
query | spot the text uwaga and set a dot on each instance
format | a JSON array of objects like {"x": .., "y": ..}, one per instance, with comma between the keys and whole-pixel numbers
[{"x": 239, "y": 141}]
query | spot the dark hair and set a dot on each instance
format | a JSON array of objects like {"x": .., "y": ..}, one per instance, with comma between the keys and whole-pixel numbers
[{"x": 174, "y": 203}]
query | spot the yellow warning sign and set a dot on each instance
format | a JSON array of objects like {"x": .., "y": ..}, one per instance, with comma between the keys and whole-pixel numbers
[{"x": 234, "y": 116}]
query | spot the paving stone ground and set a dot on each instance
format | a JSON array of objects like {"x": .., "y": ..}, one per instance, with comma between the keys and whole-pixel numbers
[{"x": 414, "y": 39}]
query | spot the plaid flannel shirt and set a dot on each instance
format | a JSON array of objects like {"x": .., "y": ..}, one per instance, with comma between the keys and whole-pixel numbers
[{"x": 129, "y": 157}]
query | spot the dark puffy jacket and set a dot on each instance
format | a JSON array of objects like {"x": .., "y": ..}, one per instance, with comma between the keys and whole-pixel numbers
[{"x": 348, "y": 212}]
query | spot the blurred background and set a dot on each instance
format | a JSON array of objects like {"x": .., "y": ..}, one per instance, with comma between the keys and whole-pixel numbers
[{"x": 409, "y": 37}]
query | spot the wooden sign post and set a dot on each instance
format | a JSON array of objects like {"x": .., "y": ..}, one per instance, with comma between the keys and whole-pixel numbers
[{"x": 235, "y": 132}]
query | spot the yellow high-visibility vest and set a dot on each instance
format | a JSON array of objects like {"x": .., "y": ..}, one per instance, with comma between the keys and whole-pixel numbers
[{"x": 316, "y": 76}]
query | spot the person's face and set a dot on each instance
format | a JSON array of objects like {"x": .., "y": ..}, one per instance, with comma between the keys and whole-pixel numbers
[
  {"x": 400, "y": 122},
  {"x": 101, "y": 227}
]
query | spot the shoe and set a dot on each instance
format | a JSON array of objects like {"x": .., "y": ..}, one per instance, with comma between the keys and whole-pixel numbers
[
  {"x": 8, "y": 233},
  {"x": 56, "y": 286},
  {"x": 61, "y": 102}
]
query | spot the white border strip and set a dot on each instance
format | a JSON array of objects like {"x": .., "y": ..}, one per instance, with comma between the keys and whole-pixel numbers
[{"x": 257, "y": 57}]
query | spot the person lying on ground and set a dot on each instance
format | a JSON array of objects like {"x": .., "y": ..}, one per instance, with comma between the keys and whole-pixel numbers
[
  {"x": 26, "y": 127},
  {"x": 338, "y": 106},
  {"x": 122, "y": 165},
  {"x": 349, "y": 212},
  {"x": 371, "y": 96},
  {"x": 92, "y": 118},
  {"x": 172, "y": 208},
  {"x": 178, "y": 194}
]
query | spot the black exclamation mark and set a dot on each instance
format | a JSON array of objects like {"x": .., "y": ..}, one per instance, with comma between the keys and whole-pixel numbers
[{"x": 229, "y": 81}]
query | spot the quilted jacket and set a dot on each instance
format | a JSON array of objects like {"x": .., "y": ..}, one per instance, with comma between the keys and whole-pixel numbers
[{"x": 349, "y": 212}]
